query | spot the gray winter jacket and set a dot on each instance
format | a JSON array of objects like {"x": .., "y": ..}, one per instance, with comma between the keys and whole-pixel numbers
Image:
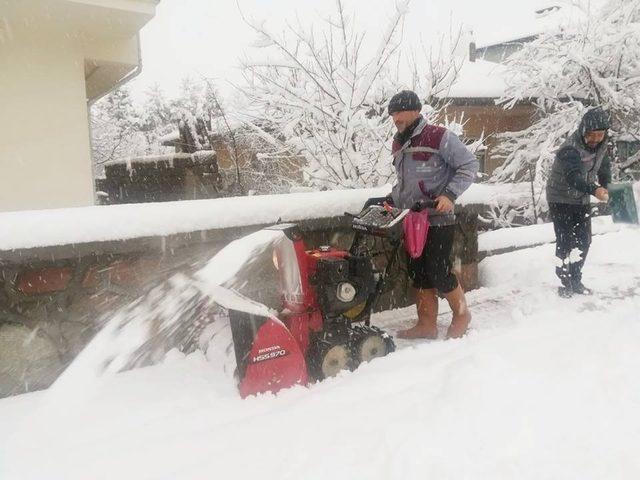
[{"x": 431, "y": 163}]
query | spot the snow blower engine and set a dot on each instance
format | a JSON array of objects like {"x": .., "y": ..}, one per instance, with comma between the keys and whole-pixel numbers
[{"x": 327, "y": 295}]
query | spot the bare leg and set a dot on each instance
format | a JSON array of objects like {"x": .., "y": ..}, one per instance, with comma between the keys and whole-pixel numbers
[
  {"x": 427, "y": 305},
  {"x": 461, "y": 315}
]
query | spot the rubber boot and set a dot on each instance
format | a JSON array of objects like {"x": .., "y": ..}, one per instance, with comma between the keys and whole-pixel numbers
[
  {"x": 427, "y": 305},
  {"x": 461, "y": 315},
  {"x": 578, "y": 287},
  {"x": 566, "y": 290}
]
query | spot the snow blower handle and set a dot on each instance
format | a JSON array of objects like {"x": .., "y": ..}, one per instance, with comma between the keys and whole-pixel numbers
[
  {"x": 423, "y": 204},
  {"x": 384, "y": 202},
  {"x": 381, "y": 201}
]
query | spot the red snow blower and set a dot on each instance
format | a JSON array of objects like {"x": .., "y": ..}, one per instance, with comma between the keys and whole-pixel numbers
[{"x": 327, "y": 296}]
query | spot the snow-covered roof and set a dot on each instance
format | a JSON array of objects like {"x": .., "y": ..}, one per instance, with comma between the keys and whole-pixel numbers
[
  {"x": 200, "y": 155},
  {"x": 164, "y": 157},
  {"x": 547, "y": 16},
  {"x": 479, "y": 79},
  {"x": 170, "y": 139},
  {"x": 220, "y": 127}
]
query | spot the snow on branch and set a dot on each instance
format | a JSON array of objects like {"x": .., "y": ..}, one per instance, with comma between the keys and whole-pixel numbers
[
  {"x": 322, "y": 95},
  {"x": 593, "y": 61}
]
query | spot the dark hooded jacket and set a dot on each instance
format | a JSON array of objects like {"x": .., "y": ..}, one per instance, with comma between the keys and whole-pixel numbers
[{"x": 578, "y": 170}]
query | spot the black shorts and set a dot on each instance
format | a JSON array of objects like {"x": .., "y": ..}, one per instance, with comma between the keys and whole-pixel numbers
[{"x": 433, "y": 268}]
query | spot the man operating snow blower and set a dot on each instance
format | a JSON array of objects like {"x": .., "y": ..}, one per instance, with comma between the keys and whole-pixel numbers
[
  {"x": 581, "y": 169},
  {"x": 432, "y": 165}
]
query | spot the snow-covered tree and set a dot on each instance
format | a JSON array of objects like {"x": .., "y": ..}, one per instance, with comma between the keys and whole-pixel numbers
[
  {"x": 320, "y": 94},
  {"x": 156, "y": 117},
  {"x": 325, "y": 100},
  {"x": 593, "y": 61},
  {"x": 115, "y": 128},
  {"x": 121, "y": 129},
  {"x": 257, "y": 164},
  {"x": 191, "y": 112}
]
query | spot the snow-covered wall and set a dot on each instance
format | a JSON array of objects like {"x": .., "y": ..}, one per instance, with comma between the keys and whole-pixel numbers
[
  {"x": 42, "y": 228},
  {"x": 45, "y": 228},
  {"x": 509, "y": 239}
]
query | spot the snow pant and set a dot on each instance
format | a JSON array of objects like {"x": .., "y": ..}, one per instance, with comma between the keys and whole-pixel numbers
[
  {"x": 572, "y": 225},
  {"x": 433, "y": 269}
]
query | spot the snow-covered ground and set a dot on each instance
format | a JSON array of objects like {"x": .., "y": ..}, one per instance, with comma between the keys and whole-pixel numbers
[{"x": 541, "y": 388}]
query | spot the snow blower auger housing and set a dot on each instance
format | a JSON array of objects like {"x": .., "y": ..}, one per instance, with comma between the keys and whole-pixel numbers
[{"x": 327, "y": 295}]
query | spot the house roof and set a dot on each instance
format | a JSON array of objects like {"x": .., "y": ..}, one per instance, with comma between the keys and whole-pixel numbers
[
  {"x": 488, "y": 80},
  {"x": 527, "y": 23},
  {"x": 479, "y": 79}
]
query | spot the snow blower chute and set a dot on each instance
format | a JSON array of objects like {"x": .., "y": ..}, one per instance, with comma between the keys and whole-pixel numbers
[{"x": 327, "y": 296}]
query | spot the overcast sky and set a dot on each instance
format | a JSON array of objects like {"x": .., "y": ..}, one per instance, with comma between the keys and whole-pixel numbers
[{"x": 208, "y": 37}]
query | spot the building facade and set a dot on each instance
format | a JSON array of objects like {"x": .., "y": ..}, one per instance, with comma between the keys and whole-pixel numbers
[{"x": 56, "y": 58}]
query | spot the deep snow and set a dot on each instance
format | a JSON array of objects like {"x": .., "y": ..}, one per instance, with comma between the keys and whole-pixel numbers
[{"x": 541, "y": 388}]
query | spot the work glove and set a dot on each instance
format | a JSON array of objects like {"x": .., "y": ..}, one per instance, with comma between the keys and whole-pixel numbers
[
  {"x": 422, "y": 204},
  {"x": 417, "y": 207}
]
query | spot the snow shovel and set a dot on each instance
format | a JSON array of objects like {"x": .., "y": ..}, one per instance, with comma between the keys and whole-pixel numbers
[{"x": 623, "y": 202}]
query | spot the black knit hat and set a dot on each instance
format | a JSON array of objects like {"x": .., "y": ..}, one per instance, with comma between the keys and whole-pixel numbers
[
  {"x": 594, "y": 119},
  {"x": 406, "y": 100}
]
